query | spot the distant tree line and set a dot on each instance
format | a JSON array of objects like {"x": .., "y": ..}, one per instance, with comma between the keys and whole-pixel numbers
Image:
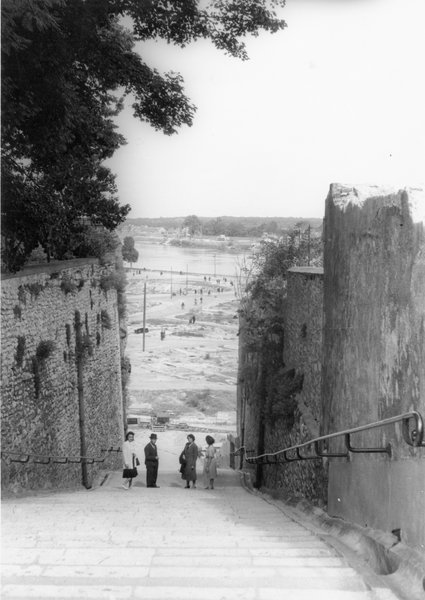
[{"x": 233, "y": 226}]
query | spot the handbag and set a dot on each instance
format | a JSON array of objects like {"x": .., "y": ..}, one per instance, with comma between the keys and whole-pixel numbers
[{"x": 130, "y": 473}]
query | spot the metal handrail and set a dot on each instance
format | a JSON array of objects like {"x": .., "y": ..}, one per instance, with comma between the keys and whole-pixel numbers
[
  {"x": 46, "y": 459},
  {"x": 413, "y": 437}
]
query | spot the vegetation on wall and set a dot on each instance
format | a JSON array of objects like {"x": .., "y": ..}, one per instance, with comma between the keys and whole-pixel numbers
[
  {"x": 44, "y": 349},
  {"x": 125, "y": 376},
  {"x": 262, "y": 373},
  {"x": 282, "y": 386},
  {"x": 129, "y": 252},
  {"x": 68, "y": 286},
  {"x": 20, "y": 350},
  {"x": 113, "y": 280},
  {"x": 105, "y": 319}
]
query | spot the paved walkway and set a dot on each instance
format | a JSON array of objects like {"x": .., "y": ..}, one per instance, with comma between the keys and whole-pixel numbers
[{"x": 168, "y": 543}]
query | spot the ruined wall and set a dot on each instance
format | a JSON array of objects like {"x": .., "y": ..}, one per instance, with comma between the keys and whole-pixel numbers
[
  {"x": 60, "y": 371},
  {"x": 374, "y": 352},
  {"x": 302, "y": 352}
]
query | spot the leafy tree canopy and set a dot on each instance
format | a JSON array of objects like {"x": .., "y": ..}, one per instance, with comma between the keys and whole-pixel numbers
[
  {"x": 264, "y": 302},
  {"x": 67, "y": 64},
  {"x": 129, "y": 252},
  {"x": 193, "y": 223}
]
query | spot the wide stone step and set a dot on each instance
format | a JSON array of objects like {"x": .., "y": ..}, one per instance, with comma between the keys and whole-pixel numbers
[
  {"x": 166, "y": 592},
  {"x": 167, "y": 544},
  {"x": 151, "y": 558}
]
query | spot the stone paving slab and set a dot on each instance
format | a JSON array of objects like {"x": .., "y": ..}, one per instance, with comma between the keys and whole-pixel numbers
[{"x": 112, "y": 544}]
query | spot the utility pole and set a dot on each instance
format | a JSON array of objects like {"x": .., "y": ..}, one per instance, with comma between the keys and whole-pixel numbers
[
  {"x": 144, "y": 314},
  {"x": 171, "y": 283},
  {"x": 214, "y": 266},
  {"x": 186, "y": 277},
  {"x": 308, "y": 244}
]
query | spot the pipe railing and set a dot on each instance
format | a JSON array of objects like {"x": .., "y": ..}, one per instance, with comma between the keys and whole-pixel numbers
[
  {"x": 413, "y": 436},
  {"x": 46, "y": 459}
]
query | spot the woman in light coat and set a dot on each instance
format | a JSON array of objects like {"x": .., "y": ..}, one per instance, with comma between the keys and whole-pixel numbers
[
  {"x": 210, "y": 464},
  {"x": 129, "y": 457}
]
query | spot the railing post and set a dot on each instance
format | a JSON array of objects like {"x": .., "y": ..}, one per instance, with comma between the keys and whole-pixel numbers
[{"x": 414, "y": 437}]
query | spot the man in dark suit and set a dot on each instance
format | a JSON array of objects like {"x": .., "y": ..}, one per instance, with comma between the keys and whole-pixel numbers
[{"x": 151, "y": 462}]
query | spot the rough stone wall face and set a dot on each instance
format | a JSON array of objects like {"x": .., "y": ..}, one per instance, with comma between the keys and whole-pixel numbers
[
  {"x": 374, "y": 351},
  {"x": 248, "y": 404},
  {"x": 374, "y": 309},
  {"x": 306, "y": 479},
  {"x": 40, "y": 380},
  {"x": 302, "y": 352},
  {"x": 303, "y": 339}
]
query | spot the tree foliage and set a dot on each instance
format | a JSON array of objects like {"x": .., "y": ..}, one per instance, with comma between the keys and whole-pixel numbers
[
  {"x": 263, "y": 317},
  {"x": 129, "y": 252},
  {"x": 193, "y": 224},
  {"x": 266, "y": 291},
  {"x": 67, "y": 64}
]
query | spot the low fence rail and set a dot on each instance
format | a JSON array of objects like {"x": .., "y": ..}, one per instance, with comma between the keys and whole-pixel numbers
[
  {"x": 412, "y": 430},
  {"x": 46, "y": 459}
]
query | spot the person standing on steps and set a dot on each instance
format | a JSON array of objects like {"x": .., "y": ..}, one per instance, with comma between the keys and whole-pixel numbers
[
  {"x": 190, "y": 456},
  {"x": 151, "y": 462},
  {"x": 210, "y": 464},
  {"x": 129, "y": 457}
]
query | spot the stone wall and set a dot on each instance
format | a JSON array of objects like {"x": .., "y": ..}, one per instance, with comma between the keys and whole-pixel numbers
[
  {"x": 359, "y": 341},
  {"x": 374, "y": 349},
  {"x": 60, "y": 371},
  {"x": 303, "y": 353},
  {"x": 248, "y": 407}
]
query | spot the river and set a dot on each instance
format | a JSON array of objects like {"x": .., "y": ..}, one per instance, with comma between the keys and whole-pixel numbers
[{"x": 205, "y": 261}]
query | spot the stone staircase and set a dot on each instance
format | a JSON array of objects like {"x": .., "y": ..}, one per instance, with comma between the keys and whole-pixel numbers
[{"x": 168, "y": 543}]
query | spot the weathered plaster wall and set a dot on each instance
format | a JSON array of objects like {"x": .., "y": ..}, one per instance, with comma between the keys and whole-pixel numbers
[
  {"x": 374, "y": 352},
  {"x": 46, "y": 400},
  {"x": 302, "y": 352}
]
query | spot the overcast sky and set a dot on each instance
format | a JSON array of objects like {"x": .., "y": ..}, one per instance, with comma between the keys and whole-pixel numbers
[{"x": 338, "y": 96}]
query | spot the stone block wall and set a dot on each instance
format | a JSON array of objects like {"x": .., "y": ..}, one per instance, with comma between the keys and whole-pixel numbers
[
  {"x": 248, "y": 407},
  {"x": 374, "y": 352},
  {"x": 303, "y": 339},
  {"x": 357, "y": 334},
  {"x": 303, "y": 353},
  {"x": 60, "y": 396}
]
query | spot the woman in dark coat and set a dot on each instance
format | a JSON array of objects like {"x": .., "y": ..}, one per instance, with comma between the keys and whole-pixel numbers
[{"x": 188, "y": 458}]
